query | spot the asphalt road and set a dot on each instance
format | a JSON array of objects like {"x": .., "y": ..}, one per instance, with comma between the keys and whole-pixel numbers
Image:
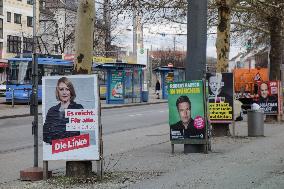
[{"x": 16, "y": 140}]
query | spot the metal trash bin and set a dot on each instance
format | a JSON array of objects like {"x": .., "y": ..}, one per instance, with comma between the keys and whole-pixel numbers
[
  {"x": 255, "y": 123},
  {"x": 145, "y": 96}
]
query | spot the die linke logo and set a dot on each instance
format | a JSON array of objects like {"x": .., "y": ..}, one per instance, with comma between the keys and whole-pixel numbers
[{"x": 71, "y": 143}]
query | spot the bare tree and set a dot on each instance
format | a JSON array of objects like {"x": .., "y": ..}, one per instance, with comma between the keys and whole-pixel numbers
[
  {"x": 57, "y": 26},
  {"x": 262, "y": 23},
  {"x": 57, "y": 23}
]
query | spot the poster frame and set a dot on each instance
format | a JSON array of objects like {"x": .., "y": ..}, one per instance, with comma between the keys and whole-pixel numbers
[{"x": 205, "y": 141}]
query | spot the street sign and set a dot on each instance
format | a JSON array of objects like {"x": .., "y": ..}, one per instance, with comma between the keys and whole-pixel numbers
[{"x": 142, "y": 57}]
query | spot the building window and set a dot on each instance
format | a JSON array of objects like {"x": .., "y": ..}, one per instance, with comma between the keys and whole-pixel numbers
[
  {"x": 30, "y": 2},
  {"x": 28, "y": 45},
  {"x": 1, "y": 28},
  {"x": 13, "y": 44},
  {"x": 9, "y": 16},
  {"x": 29, "y": 21},
  {"x": 17, "y": 18}
]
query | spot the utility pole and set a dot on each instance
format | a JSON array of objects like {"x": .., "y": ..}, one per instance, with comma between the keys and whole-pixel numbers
[
  {"x": 196, "y": 39},
  {"x": 195, "y": 65}
]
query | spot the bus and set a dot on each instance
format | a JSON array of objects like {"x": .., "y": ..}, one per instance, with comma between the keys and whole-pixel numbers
[{"x": 19, "y": 76}]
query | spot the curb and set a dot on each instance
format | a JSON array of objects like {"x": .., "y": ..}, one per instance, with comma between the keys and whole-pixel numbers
[
  {"x": 130, "y": 105},
  {"x": 110, "y": 107}
]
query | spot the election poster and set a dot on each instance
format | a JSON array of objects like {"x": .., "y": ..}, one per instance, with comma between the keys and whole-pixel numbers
[
  {"x": 269, "y": 96},
  {"x": 186, "y": 110},
  {"x": 116, "y": 85},
  {"x": 70, "y": 114},
  {"x": 220, "y": 97}
]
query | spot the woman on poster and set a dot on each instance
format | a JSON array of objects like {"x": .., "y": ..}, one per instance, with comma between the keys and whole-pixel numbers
[{"x": 55, "y": 123}]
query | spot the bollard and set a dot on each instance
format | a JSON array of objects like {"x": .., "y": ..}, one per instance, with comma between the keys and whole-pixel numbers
[{"x": 13, "y": 98}]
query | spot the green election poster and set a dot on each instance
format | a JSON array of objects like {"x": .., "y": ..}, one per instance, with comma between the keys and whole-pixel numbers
[{"x": 186, "y": 110}]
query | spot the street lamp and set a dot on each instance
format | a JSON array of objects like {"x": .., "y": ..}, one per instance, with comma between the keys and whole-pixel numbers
[
  {"x": 34, "y": 104},
  {"x": 34, "y": 173}
]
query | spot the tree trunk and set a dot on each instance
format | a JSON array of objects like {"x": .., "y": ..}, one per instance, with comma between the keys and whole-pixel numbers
[
  {"x": 84, "y": 37},
  {"x": 83, "y": 65},
  {"x": 275, "y": 55},
  {"x": 223, "y": 35},
  {"x": 223, "y": 49}
]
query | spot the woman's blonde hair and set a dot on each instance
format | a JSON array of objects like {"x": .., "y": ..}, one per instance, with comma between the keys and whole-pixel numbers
[{"x": 69, "y": 85}]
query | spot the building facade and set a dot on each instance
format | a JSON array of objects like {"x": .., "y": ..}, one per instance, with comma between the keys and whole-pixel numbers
[
  {"x": 57, "y": 26},
  {"x": 16, "y": 34},
  {"x": 16, "y": 29}
]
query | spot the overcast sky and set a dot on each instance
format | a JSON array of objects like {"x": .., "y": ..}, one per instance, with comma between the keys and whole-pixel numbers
[{"x": 173, "y": 34}]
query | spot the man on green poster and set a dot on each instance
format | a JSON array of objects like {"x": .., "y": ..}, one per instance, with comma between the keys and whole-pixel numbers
[{"x": 186, "y": 128}]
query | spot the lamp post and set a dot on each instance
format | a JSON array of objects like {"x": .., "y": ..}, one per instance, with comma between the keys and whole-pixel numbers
[
  {"x": 35, "y": 89},
  {"x": 34, "y": 173}
]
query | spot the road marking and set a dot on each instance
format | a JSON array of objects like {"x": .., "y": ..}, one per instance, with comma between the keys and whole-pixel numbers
[{"x": 132, "y": 115}]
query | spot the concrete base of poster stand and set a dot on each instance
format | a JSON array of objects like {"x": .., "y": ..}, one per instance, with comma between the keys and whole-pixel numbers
[
  {"x": 194, "y": 148},
  {"x": 192, "y": 145},
  {"x": 81, "y": 169},
  {"x": 220, "y": 129}
]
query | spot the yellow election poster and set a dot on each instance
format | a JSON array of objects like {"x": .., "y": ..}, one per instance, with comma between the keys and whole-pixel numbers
[{"x": 220, "y": 97}]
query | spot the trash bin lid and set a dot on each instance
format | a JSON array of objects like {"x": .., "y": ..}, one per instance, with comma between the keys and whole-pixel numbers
[{"x": 259, "y": 110}]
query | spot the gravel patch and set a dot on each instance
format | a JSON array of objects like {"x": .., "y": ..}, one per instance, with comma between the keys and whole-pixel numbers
[{"x": 110, "y": 180}]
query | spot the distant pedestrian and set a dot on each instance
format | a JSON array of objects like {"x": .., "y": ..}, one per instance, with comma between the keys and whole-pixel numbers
[{"x": 157, "y": 89}]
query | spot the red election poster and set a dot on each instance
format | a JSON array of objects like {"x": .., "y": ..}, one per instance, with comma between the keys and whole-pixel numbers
[
  {"x": 269, "y": 96},
  {"x": 70, "y": 117}
]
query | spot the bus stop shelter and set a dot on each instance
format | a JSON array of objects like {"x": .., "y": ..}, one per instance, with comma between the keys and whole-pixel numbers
[
  {"x": 168, "y": 74},
  {"x": 123, "y": 82}
]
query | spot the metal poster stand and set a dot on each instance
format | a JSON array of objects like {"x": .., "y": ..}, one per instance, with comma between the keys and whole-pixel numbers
[
  {"x": 197, "y": 145},
  {"x": 100, "y": 171}
]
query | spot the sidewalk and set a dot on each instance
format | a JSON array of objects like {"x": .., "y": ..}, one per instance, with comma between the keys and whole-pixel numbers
[
  {"x": 142, "y": 158},
  {"x": 23, "y": 110}
]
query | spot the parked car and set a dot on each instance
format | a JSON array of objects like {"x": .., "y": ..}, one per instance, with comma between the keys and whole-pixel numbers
[{"x": 3, "y": 88}]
